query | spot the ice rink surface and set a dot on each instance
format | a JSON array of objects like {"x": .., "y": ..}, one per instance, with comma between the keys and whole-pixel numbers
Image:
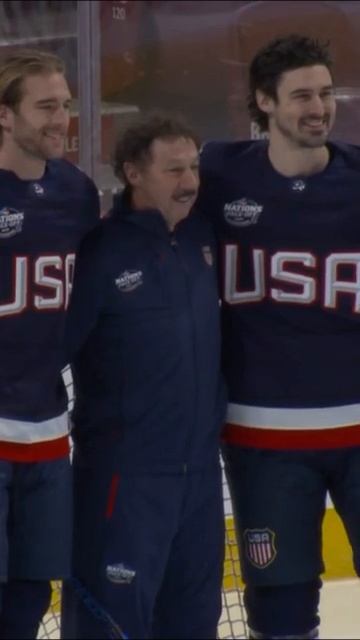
[{"x": 339, "y": 610}]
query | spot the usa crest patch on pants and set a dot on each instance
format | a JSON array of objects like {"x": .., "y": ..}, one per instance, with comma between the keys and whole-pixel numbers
[{"x": 260, "y": 547}]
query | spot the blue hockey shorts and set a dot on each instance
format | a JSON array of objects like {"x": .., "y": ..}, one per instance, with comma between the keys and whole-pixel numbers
[
  {"x": 35, "y": 520},
  {"x": 279, "y": 501}
]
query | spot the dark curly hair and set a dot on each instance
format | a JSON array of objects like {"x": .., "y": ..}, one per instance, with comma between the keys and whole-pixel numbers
[
  {"x": 280, "y": 55},
  {"x": 134, "y": 143}
]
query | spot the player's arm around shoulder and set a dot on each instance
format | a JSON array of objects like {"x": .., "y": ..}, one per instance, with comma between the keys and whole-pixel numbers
[
  {"x": 217, "y": 160},
  {"x": 349, "y": 152},
  {"x": 89, "y": 288},
  {"x": 203, "y": 228},
  {"x": 211, "y": 157},
  {"x": 81, "y": 187},
  {"x": 92, "y": 204}
]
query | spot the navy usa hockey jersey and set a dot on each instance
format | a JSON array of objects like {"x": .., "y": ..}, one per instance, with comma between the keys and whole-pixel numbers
[
  {"x": 144, "y": 323},
  {"x": 41, "y": 224},
  {"x": 290, "y": 273}
]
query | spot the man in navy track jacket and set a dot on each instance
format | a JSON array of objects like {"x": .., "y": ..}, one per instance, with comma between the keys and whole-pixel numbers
[{"x": 144, "y": 325}]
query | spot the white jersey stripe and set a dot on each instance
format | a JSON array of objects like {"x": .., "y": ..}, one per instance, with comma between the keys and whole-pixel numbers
[
  {"x": 288, "y": 418},
  {"x": 22, "y": 432}
]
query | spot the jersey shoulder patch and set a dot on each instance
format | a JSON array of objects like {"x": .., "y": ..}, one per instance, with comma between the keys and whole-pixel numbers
[{"x": 350, "y": 153}]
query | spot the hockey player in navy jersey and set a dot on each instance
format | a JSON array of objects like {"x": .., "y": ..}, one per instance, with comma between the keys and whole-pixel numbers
[
  {"x": 287, "y": 215},
  {"x": 144, "y": 322},
  {"x": 46, "y": 206}
]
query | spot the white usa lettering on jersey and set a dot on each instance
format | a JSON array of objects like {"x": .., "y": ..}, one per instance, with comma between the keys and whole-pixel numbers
[
  {"x": 33, "y": 286},
  {"x": 321, "y": 280}
]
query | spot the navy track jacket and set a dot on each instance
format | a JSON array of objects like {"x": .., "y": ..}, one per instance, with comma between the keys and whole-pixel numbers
[{"x": 144, "y": 325}]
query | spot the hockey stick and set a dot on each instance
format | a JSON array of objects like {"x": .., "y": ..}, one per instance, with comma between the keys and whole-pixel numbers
[{"x": 113, "y": 629}]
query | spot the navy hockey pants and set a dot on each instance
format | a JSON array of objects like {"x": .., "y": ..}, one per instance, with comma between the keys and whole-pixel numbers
[{"x": 149, "y": 550}]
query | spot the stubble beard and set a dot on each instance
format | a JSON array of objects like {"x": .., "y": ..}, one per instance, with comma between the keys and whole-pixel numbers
[{"x": 304, "y": 140}]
